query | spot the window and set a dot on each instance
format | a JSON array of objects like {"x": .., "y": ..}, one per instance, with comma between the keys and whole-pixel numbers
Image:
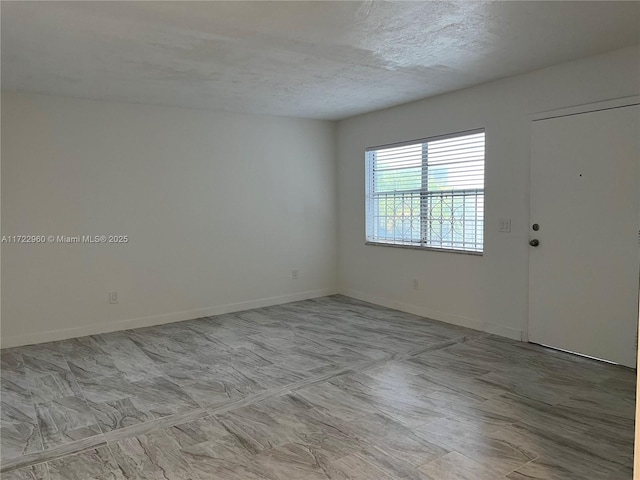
[{"x": 428, "y": 193}]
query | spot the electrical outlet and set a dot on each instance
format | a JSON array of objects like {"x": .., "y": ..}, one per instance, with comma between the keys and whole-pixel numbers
[
  {"x": 416, "y": 284},
  {"x": 295, "y": 274},
  {"x": 113, "y": 297}
]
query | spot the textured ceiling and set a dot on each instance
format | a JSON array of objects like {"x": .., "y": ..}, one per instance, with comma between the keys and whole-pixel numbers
[{"x": 308, "y": 59}]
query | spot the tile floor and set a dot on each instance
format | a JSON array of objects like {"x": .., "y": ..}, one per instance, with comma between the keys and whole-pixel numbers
[{"x": 331, "y": 388}]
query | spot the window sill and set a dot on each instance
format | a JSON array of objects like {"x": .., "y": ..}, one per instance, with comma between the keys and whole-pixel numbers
[{"x": 433, "y": 249}]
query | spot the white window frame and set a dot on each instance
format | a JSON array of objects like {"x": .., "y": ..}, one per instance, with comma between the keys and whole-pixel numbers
[{"x": 424, "y": 193}]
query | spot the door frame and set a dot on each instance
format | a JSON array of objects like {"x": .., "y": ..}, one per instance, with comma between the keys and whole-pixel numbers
[
  {"x": 586, "y": 107},
  {"x": 565, "y": 112}
]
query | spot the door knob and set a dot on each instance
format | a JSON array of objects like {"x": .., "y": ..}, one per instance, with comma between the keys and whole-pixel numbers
[{"x": 534, "y": 243}]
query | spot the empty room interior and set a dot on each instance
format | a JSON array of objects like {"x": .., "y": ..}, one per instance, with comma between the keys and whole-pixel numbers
[{"x": 368, "y": 240}]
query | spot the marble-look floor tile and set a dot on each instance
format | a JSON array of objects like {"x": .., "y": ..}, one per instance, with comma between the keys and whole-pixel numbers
[
  {"x": 259, "y": 317},
  {"x": 278, "y": 375},
  {"x": 211, "y": 385},
  {"x": 446, "y": 393},
  {"x": 155, "y": 424},
  {"x": 16, "y": 402},
  {"x": 207, "y": 464},
  {"x": 52, "y": 386},
  {"x": 589, "y": 417},
  {"x": 329, "y": 441},
  {"x": 227, "y": 452},
  {"x": 198, "y": 368},
  {"x": 296, "y": 460},
  {"x": 161, "y": 397},
  {"x": 527, "y": 384},
  {"x": 81, "y": 347},
  {"x": 53, "y": 453},
  {"x": 44, "y": 361},
  {"x": 158, "y": 347},
  {"x": 324, "y": 388},
  {"x": 611, "y": 442},
  {"x": 237, "y": 382},
  {"x": 393, "y": 466},
  {"x": 258, "y": 429},
  {"x": 372, "y": 347},
  {"x": 97, "y": 365},
  {"x": 462, "y": 383},
  {"x": 355, "y": 467},
  {"x": 606, "y": 446},
  {"x": 130, "y": 361},
  {"x": 559, "y": 449},
  {"x": 404, "y": 405},
  {"x": 625, "y": 473},
  {"x": 597, "y": 401},
  {"x": 396, "y": 440},
  {"x": 477, "y": 415},
  {"x": 11, "y": 361},
  {"x": 534, "y": 413},
  {"x": 220, "y": 448},
  {"x": 18, "y": 439},
  {"x": 476, "y": 444},
  {"x": 118, "y": 414},
  {"x": 623, "y": 384},
  {"x": 289, "y": 403},
  {"x": 65, "y": 419},
  {"x": 96, "y": 464},
  {"x": 108, "y": 388},
  {"x": 454, "y": 466},
  {"x": 211, "y": 393},
  {"x": 304, "y": 359},
  {"x": 568, "y": 468},
  {"x": 196, "y": 432},
  {"x": 208, "y": 329},
  {"x": 151, "y": 456},
  {"x": 335, "y": 402},
  {"x": 34, "y": 472},
  {"x": 246, "y": 359}
]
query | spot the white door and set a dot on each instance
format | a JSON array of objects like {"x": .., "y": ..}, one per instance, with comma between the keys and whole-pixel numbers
[{"x": 585, "y": 198}]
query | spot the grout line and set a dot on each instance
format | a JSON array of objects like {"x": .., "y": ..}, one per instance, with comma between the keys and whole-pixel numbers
[
  {"x": 155, "y": 424},
  {"x": 523, "y": 465},
  {"x": 53, "y": 453}
]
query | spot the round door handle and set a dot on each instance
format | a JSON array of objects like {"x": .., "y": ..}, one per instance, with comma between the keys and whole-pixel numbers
[{"x": 534, "y": 243}]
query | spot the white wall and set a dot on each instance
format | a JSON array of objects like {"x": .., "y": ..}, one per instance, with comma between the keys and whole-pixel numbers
[
  {"x": 487, "y": 292},
  {"x": 219, "y": 208}
]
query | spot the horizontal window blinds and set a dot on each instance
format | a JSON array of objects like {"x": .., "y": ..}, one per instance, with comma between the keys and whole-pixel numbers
[{"x": 428, "y": 193}]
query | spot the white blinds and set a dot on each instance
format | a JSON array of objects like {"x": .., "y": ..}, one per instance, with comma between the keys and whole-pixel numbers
[{"x": 428, "y": 193}]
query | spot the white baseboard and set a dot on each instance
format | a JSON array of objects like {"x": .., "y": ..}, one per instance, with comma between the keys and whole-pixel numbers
[
  {"x": 508, "y": 332},
  {"x": 63, "y": 334},
  {"x": 461, "y": 321}
]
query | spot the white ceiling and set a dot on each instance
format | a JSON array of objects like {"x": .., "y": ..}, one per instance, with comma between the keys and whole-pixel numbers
[{"x": 307, "y": 59}]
